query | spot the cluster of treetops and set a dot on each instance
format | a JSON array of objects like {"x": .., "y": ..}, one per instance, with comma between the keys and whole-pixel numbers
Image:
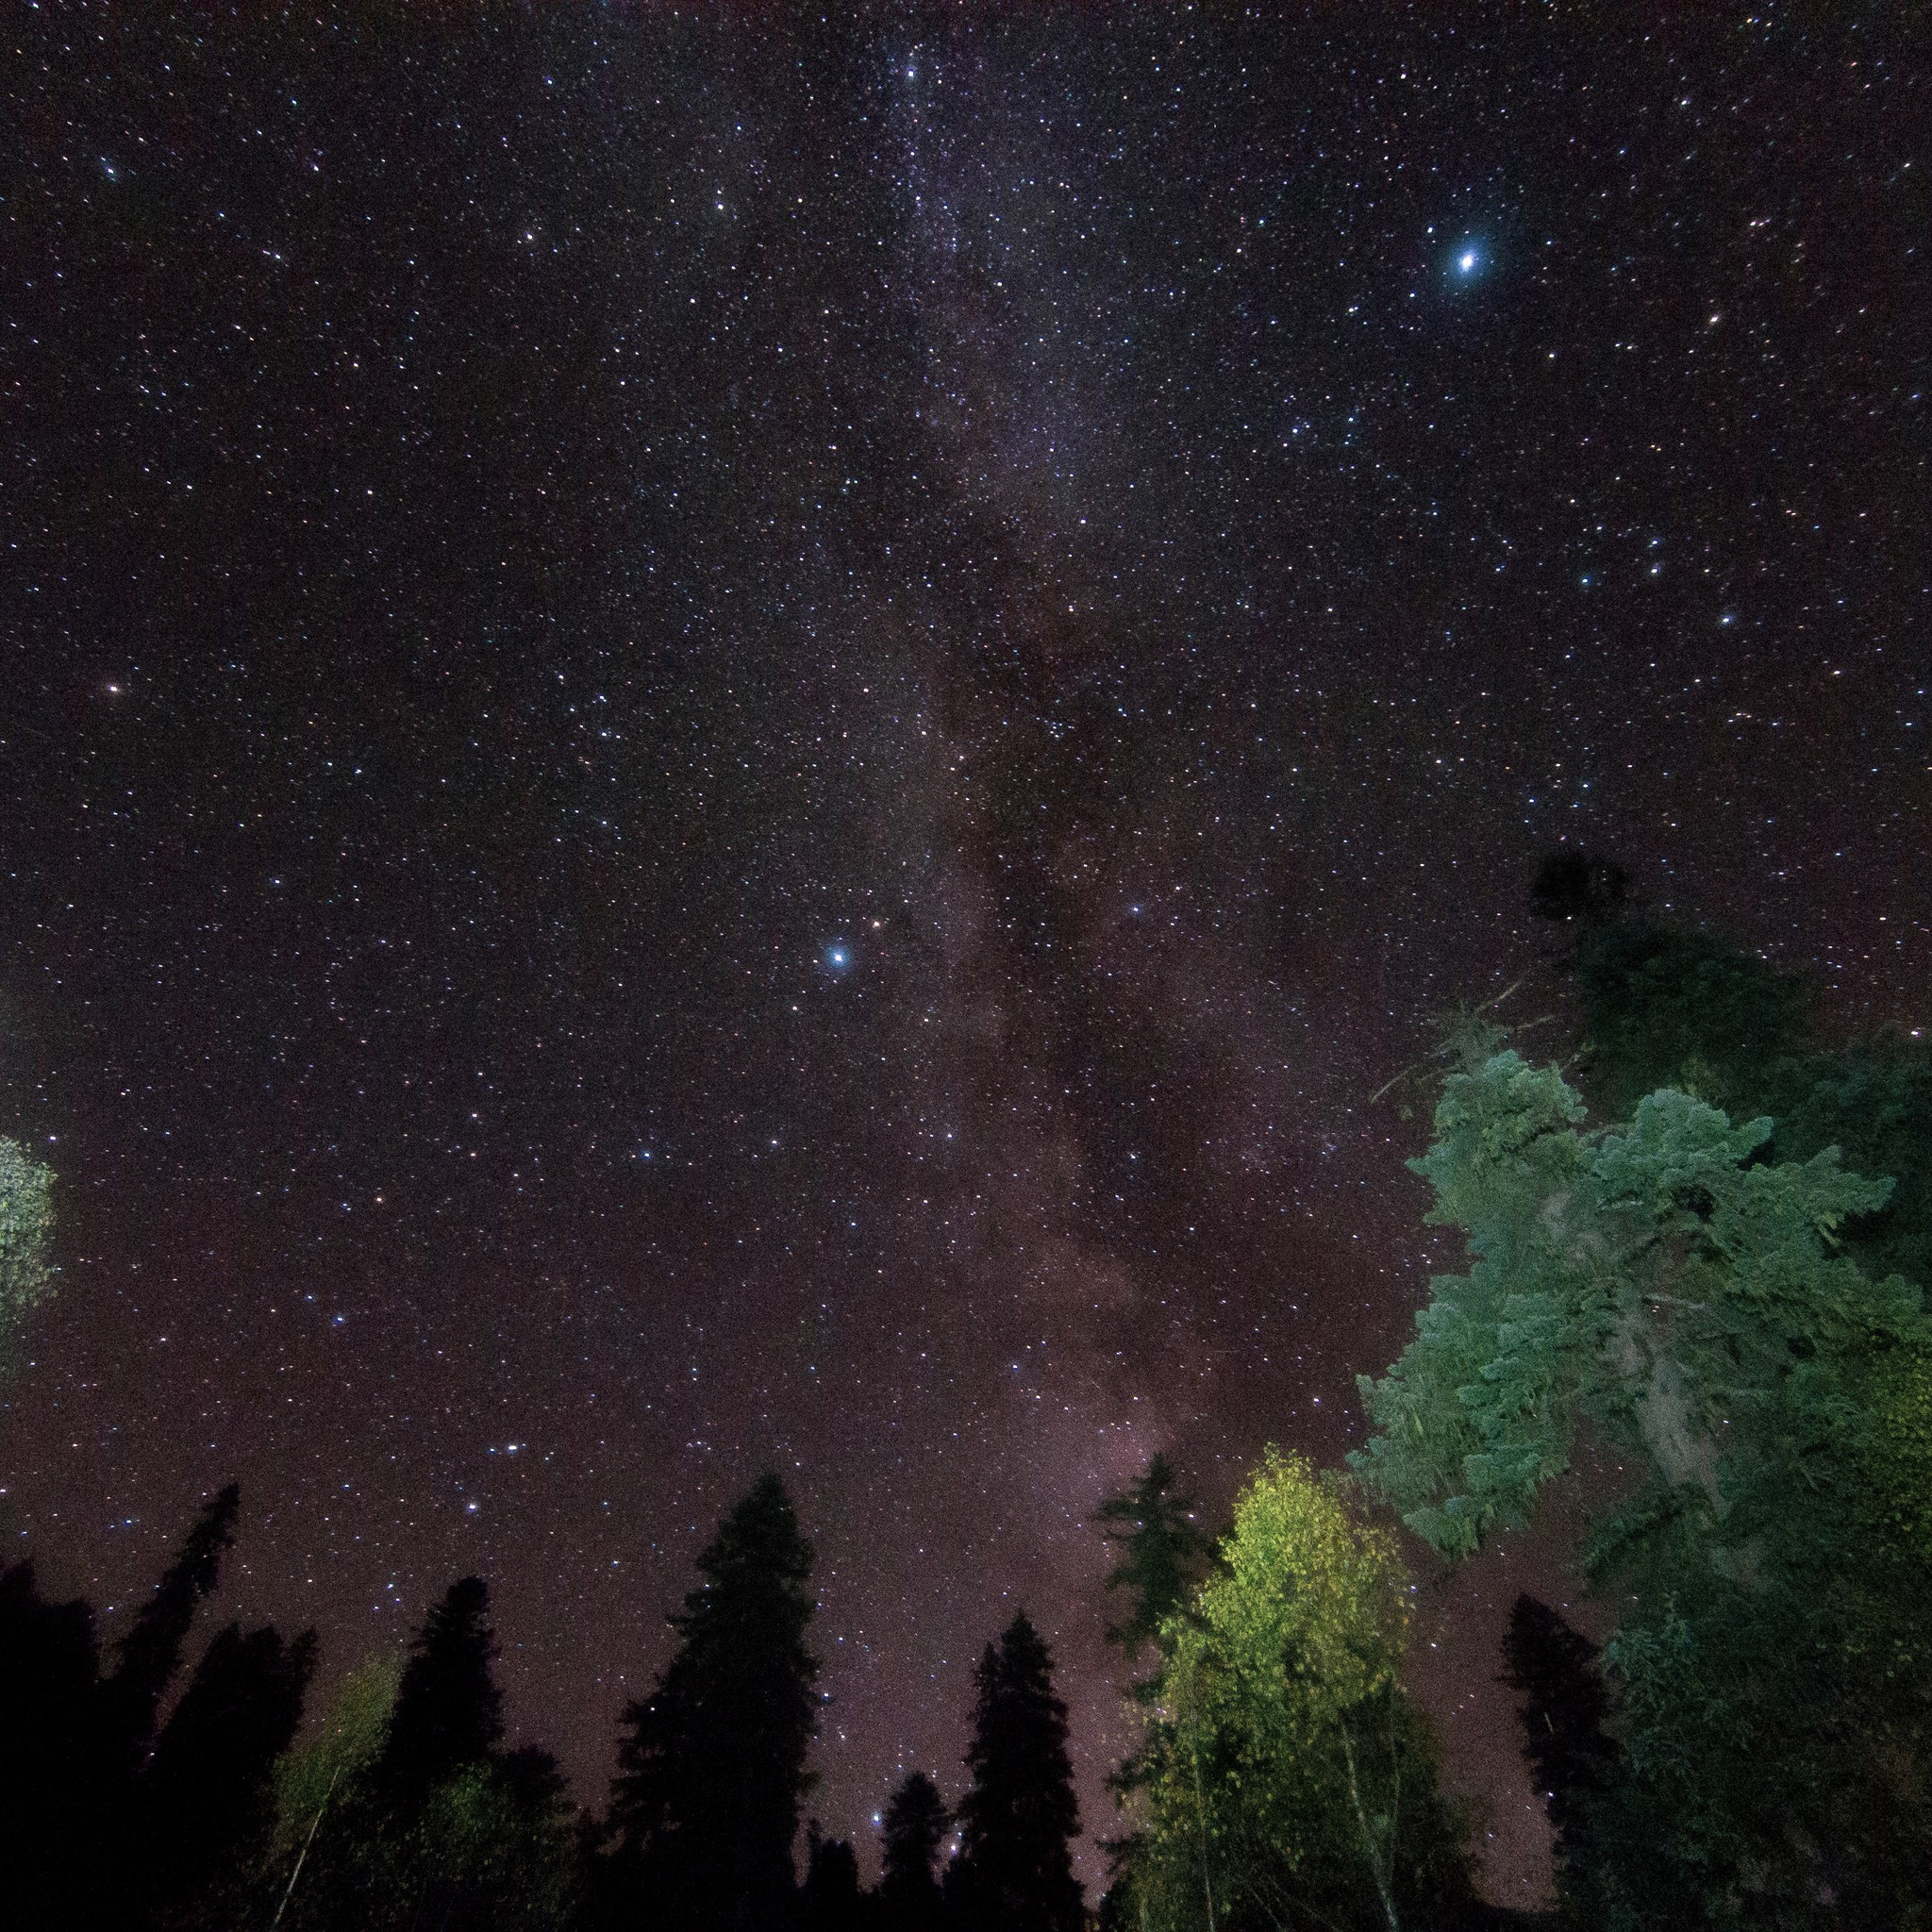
[{"x": 1718, "y": 1289}]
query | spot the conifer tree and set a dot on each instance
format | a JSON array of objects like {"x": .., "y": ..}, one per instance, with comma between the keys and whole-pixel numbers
[
  {"x": 1695, "y": 1300},
  {"x": 208, "y": 1794},
  {"x": 711, "y": 1772},
  {"x": 1162, "y": 1553},
  {"x": 448, "y": 1711},
  {"x": 1014, "y": 1871},
  {"x": 830, "y": 1900},
  {"x": 54, "y": 1772},
  {"x": 151, "y": 1650},
  {"x": 916, "y": 1824},
  {"x": 1566, "y": 1710}
]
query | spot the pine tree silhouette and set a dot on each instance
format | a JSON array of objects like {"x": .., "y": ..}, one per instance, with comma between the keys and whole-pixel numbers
[
  {"x": 150, "y": 1654},
  {"x": 449, "y": 1712},
  {"x": 1565, "y": 1710},
  {"x": 208, "y": 1796},
  {"x": 1014, "y": 1872},
  {"x": 53, "y": 1771},
  {"x": 916, "y": 1824},
  {"x": 1162, "y": 1553},
  {"x": 704, "y": 1805},
  {"x": 830, "y": 1900}
]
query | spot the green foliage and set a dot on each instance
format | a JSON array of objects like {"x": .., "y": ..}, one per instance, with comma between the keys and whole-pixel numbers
[
  {"x": 339, "y": 1759},
  {"x": 1692, "y": 1298},
  {"x": 1897, "y": 1491},
  {"x": 450, "y": 1832},
  {"x": 1664, "y": 1008},
  {"x": 1286, "y": 1778},
  {"x": 1663, "y": 1280},
  {"x": 26, "y": 1219}
]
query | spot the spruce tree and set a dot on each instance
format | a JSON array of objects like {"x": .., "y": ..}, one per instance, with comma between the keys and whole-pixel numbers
[
  {"x": 54, "y": 1772},
  {"x": 711, "y": 1769},
  {"x": 449, "y": 1712},
  {"x": 208, "y": 1796},
  {"x": 1014, "y": 1871},
  {"x": 830, "y": 1900},
  {"x": 1162, "y": 1553},
  {"x": 1566, "y": 1710},
  {"x": 1693, "y": 1300},
  {"x": 916, "y": 1824},
  {"x": 151, "y": 1650}
]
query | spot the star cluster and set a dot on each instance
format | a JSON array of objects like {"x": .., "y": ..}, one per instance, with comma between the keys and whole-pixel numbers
[{"x": 741, "y": 742}]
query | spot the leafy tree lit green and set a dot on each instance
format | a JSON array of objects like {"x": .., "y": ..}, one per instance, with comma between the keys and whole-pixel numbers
[
  {"x": 406, "y": 1812},
  {"x": 1287, "y": 1779},
  {"x": 26, "y": 1219}
]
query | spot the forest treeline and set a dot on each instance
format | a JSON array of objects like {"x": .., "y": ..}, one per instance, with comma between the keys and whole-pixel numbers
[{"x": 1697, "y": 1252}]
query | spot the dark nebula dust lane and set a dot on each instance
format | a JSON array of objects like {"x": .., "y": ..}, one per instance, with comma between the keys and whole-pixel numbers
[{"x": 731, "y": 741}]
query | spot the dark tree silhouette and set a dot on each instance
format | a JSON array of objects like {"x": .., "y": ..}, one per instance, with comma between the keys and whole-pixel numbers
[
  {"x": 916, "y": 1824},
  {"x": 102, "y": 1823},
  {"x": 830, "y": 1900},
  {"x": 711, "y": 1774},
  {"x": 1163, "y": 1554},
  {"x": 208, "y": 1796},
  {"x": 1576, "y": 888},
  {"x": 1014, "y": 1871},
  {"x": 53, "y": 1768},
  {"x": 150, "y": 1654},
  {"x": 1566, "y": 1710},
  {"x": 449, "y": 1712}
]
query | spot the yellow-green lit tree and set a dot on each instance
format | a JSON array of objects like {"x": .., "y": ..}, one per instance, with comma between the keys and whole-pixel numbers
[
  {"x": 26, "y": 1218},
  {"x": 1286, "y": 1779}
]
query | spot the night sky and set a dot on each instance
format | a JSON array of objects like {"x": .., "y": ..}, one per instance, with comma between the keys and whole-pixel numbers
[{"x": 731, "y": 741}]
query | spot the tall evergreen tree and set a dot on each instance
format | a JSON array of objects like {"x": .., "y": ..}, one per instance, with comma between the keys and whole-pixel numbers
[
  {"x": 151, "y": 1650},
  {"x": 1566, "y": 1710},
  {"x": 448, "y": 1711},
  {"x": 406, "y": 1813},
  {"x": 1162, "y": 1553},
  {"x": 54, "y": 1772},
  {"x": 1014, "y": 1871},
  {"x": 101, "y": 1823},
  {"x": 916, "y": 1824},
  {"x": 1696, "y": 1300},
  {"x": 208, "y": 1796},
  {"x": 711, "y": 1772},
  {"x": 830, "y": 1900}
]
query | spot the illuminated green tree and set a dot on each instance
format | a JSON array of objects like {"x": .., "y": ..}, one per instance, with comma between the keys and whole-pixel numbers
[
  {"x": 26, "y": 1218},
  {"x": 1667, "y": 1285},
  {"x": 1287, "y": 1779}
]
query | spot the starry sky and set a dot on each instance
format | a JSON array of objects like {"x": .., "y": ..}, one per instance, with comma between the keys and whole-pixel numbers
[{"x": 740, "y": 739}]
